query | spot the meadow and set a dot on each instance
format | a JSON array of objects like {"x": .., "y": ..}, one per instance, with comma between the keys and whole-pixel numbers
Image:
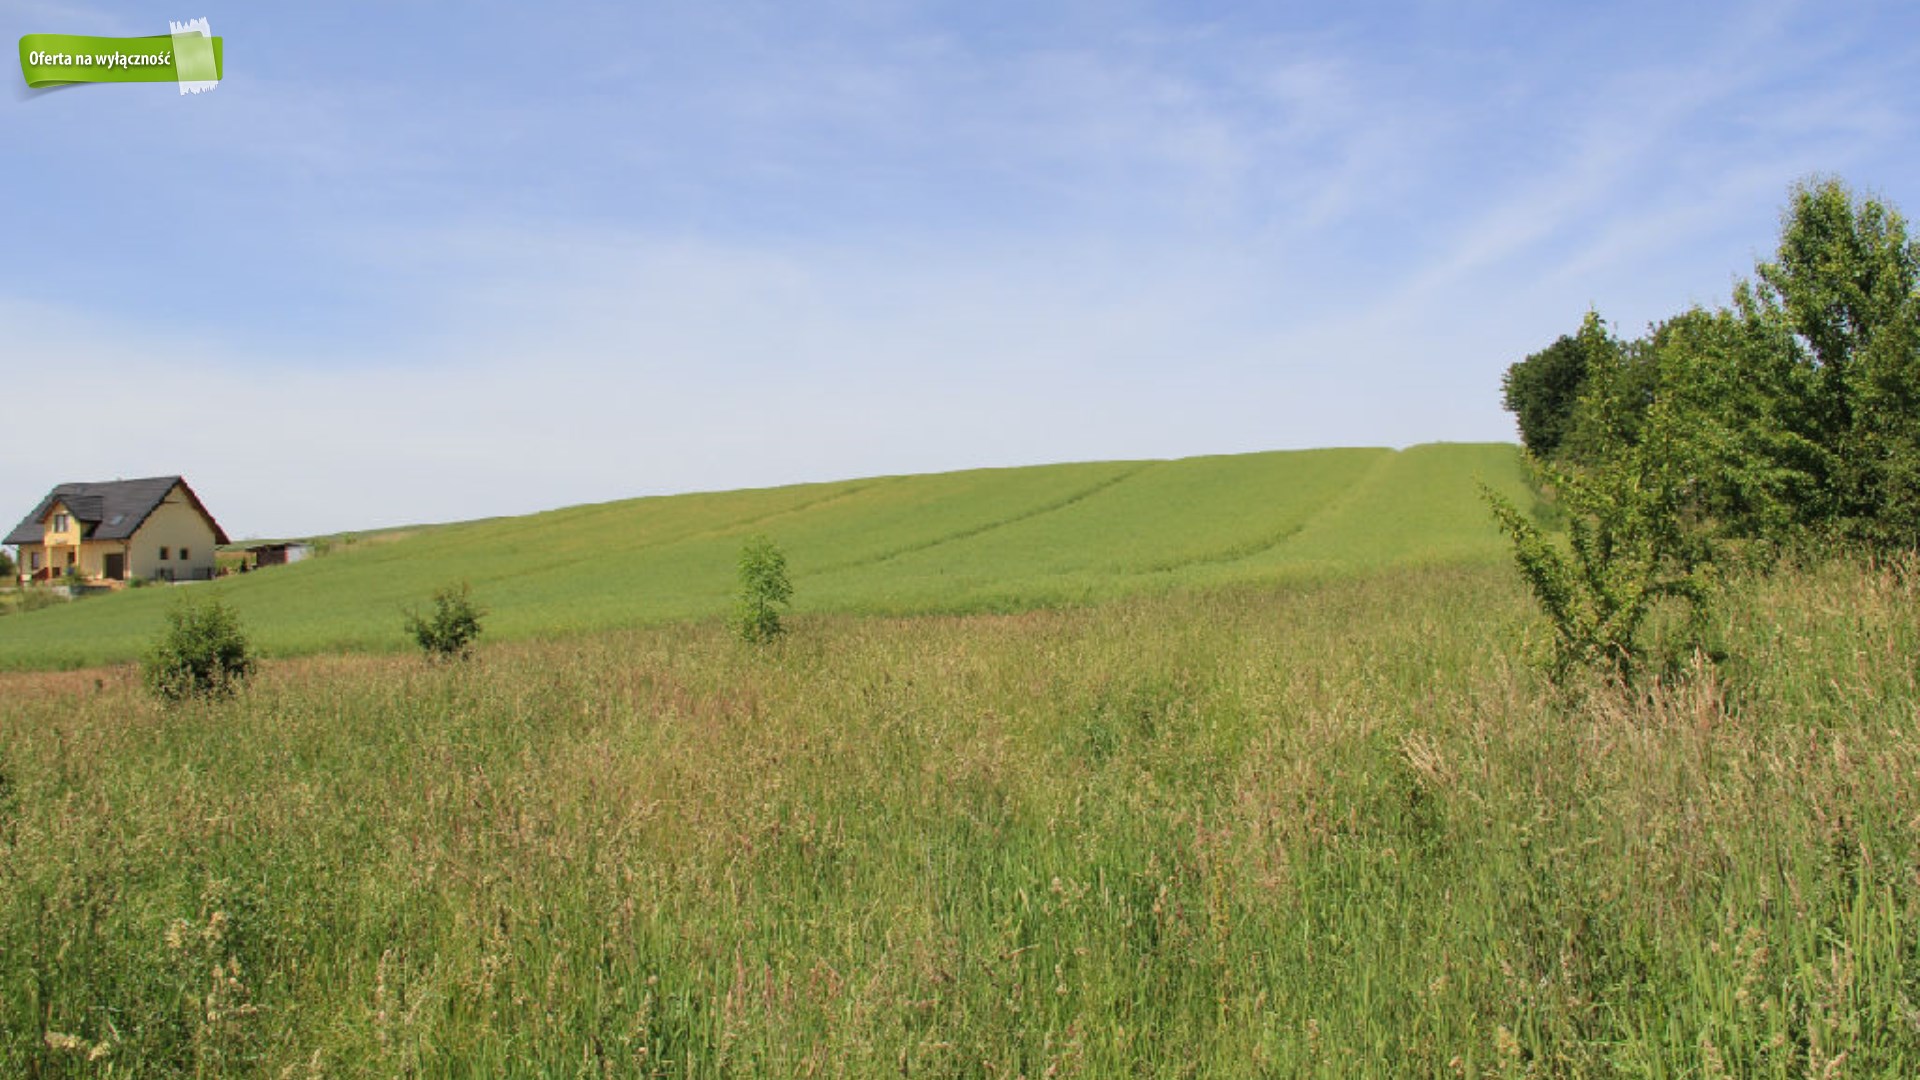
[
  {"x": 983, "y": 540},
  {"x": 1319, "y": 827}
]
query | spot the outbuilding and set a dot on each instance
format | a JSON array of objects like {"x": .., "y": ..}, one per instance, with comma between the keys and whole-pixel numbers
[{"x": 276, "y": 554}]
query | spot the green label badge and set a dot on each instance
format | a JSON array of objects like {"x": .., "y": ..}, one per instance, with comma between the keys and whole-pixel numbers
[{"x": 190, "y": 56}]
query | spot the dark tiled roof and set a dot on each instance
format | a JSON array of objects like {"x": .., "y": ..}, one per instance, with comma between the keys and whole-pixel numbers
[
  {"x": 87, "y": 508},
  {"x": 111, "y": 509}
]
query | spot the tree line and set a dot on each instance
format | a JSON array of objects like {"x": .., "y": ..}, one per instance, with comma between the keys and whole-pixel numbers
[{"x": 1788, "y": 419}]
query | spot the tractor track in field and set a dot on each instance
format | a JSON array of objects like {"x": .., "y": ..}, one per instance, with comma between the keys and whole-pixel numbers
[
  {"x": 1241, "y": 552},
  {"x": 972, "y": 531},
  {"x": 734, "y": 527}
]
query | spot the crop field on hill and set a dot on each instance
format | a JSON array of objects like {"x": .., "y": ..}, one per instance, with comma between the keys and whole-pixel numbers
[
  {"x": 986, "y": 540},
  {"x": 1323, "y": 828}
]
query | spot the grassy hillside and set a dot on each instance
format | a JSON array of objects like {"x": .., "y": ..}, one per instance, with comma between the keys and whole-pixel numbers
[
  {"x": 985, "y": 540},
  {"x": 1319, "y": 829}
]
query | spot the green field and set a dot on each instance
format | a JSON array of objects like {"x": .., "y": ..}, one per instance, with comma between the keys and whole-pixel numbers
[
  {"x": 1221, "y": 767},
  {"x": 985, "y": 540},
  {"x": 1325, "y": 828}
]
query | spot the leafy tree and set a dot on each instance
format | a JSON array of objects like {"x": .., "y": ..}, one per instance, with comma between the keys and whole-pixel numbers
[
  {"x": 1885, "y": 448},
  {"x": 6, "y": 566},
  {"x": 1796, "y": 410},
  {"x": 202, "y": 653},
  {"x": 1622, "y": 384},
  {"x": 764, "y": 590},
  {"x": 449, "y": 632},
  {"x": 1738, "y": 434},
  {"x": 1844, "y": 273},
  {"x": 1843, "y": 283},
  {"x": 1543, "y": 390}
]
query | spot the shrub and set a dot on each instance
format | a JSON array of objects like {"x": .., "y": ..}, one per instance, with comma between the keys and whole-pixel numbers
[
  {"x": 764, "y": 590},
  {"x": 1628, "y": 549},
  {"x": 37, "y": 598},
  {"x": 449, "y": 632},
  {"x": 202, "y": 653}
]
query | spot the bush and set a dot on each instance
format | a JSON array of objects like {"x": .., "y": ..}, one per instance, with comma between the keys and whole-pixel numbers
[
  {"x": 30, "y": 598},
  {"x": 764, "y": 590},
  {"x": 1628, "y": 549},
  {"x": 448, "y": 633},
  {"x": 202, "y": 653}
]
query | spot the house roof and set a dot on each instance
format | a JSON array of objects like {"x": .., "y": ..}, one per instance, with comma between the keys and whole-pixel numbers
[{"x": 113, "y": 509}]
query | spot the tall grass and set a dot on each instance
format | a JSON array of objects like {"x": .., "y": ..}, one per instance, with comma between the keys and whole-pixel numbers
[{"x": 1325, "y": 829}]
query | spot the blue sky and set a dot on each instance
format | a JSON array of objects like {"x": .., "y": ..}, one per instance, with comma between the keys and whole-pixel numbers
[{"x": 428, "y": 262}]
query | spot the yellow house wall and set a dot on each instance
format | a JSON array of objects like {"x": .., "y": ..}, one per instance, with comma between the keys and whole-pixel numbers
[
  {"x": 89, "y": 563},
  {"x": 89, "y": 559},
  {"x": 24, "y": 562},
  {"x": 174, "y": 524},
  {"x": 71, "y": 535},
  {"x": 93, "y": 556},
  {"x": 60, "y": 543}
]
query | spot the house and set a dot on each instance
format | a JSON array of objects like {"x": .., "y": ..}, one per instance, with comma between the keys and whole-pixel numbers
[{"x": 155, "y": 528}]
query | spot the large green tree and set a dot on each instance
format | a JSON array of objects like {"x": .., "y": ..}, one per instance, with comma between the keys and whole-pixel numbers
[
  {"x": 1543, "y": 391},
  {"x": 1844, "y": 283},
  {"x": 1739, "y": 441},
  {"x": 1844, "y": 274}
]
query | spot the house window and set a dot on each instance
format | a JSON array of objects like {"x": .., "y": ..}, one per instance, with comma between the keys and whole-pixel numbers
[
  {"x": 71, "y": 558},
  {"x": 60, "y": 522},
  {"x": 163, "y": 554},
  {"x": 33, "y": 561},
  {"x": 184, "y": 556}
]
